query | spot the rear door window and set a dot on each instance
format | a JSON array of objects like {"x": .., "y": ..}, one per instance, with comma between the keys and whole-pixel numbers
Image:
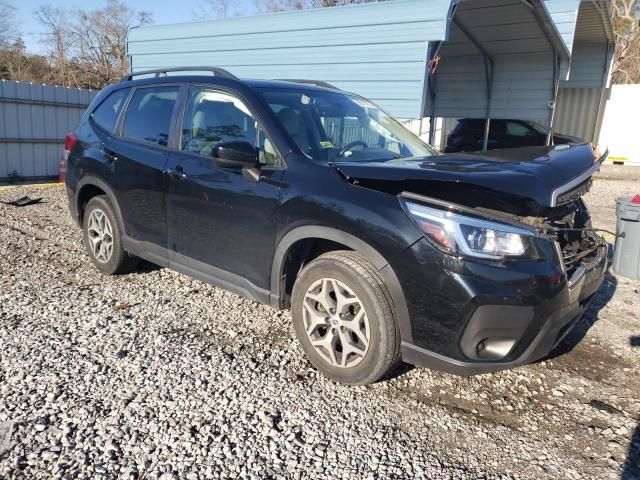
[
  {"x": 106, "y": 115},
  {"x": 149, "y": 114}
]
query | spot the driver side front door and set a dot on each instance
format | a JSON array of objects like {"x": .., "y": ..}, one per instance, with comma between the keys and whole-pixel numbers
[{"x": 220, "y": 223}]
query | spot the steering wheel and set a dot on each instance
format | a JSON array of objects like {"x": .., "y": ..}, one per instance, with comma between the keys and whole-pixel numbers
[{"x": 349, "y": 146}]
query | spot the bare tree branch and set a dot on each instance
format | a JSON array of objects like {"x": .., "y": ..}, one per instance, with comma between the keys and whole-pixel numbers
[
  {"x": 87, "y": 48},
  {"x": 8, "y": 33},
  {"x": 211, "y": 9},
  {"x": 626, "y": 59}
]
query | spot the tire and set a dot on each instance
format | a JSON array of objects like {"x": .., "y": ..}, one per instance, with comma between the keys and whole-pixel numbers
[
  {"x": 372, "y": 337},
  {"x": 111, "y": 259}
]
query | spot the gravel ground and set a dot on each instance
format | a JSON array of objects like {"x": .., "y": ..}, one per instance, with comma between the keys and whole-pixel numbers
[{"x": 156, "y": 375}]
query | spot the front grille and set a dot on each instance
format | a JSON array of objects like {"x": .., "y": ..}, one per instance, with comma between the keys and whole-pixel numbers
[
  {"x": 571, "y": 261},
  {"x": 573, "y": 254}
]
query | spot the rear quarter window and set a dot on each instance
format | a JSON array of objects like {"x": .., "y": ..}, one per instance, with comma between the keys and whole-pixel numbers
[{"x": 106, "y": 114}]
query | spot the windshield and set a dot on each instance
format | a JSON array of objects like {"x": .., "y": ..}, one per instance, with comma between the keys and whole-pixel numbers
[{"x": 337, "y": 126}]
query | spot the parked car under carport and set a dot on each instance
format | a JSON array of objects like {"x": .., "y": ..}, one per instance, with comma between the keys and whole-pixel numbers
[{"x": 468, "y": 134}]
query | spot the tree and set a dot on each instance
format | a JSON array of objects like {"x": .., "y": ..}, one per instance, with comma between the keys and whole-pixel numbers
[
  {"x": 212, "y": 9},
  {"x": 16, "y": 62},
  {"x": 58, "y": 42},
  {"x": 272, "y": 6},
  {"x": 8, "y": 32},
  {"x": 626, "y": 59},
  {"x": 99, "y": 38},
  {"x": 286, "y": 5},
  {"x": 224, "y": 8},
  {"x": 87, "y": 48}
]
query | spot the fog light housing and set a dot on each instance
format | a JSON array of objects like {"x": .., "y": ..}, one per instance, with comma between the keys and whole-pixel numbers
[{"x": 494, "y": 348}]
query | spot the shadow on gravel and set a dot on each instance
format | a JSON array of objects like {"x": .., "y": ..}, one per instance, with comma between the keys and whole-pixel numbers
[
  {"x": 590, "y": 317},
  {"x": 400, "y": 370},
  {"x": 631, "y": 470},
  {"x": 145, "y": 267}
]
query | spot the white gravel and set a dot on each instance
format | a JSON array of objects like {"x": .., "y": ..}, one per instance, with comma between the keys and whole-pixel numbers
[{"x": 156, "y": 375}]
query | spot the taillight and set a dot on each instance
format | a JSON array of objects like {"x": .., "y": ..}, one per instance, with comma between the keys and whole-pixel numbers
[{"x": 69, "y": 142}]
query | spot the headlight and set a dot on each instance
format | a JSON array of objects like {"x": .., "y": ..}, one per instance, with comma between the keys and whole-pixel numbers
[{"x": 462, "y": 235}]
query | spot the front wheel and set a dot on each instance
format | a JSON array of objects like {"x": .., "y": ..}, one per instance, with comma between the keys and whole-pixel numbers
[{"x": 343, "y": 319}]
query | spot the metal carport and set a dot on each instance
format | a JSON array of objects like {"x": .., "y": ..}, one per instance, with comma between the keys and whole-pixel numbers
[
  {"x": 585, "y": 26},
  {"x": 501, "y": 59},
  {"x": 416, "y": 58},
  {"x": 586, "y": 29}
]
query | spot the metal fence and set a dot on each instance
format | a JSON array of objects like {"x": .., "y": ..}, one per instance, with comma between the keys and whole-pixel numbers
[{"x": 34, "y": 120}]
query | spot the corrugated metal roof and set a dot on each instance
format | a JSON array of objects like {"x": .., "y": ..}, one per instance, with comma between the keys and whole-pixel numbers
[
  {"x": 377, "y": 50},
  {"x": 588, "y": 33},
  {"x": 521, "y": 49},
  {"x": 582, "y": 20},
  {"x": 565, "y": 15}
]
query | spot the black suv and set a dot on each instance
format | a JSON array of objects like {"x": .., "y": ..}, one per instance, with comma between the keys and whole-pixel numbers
[
  {"x": 303, "y": 196},
  {"x": 468, "y": 135}
]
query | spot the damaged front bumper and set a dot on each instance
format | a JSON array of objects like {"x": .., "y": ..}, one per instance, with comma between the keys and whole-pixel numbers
[{"x": 477, "y": 317}]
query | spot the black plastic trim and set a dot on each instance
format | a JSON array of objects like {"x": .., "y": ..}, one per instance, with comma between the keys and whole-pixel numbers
[
  {"x": 371, "y": 254},
  {"x": 495, "y": 321},
  {"x": 96, "y": 181},
  {"x": 545, "y": 341},
  {"x": 196, "y": 269}
]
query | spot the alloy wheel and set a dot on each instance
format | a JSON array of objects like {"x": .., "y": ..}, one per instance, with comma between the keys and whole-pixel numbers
[
  {"x": 100, "y": 235},
  {"x": 336, "y": 323}
]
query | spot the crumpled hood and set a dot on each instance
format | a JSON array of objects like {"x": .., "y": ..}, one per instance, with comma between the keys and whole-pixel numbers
[{"x": 526, "y": 179}]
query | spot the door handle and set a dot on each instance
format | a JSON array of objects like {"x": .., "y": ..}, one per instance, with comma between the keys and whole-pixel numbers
[{"x": 176, "y": 173}]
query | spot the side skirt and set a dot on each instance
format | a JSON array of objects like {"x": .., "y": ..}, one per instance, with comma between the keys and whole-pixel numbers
[{"x": 196, "y": 269}]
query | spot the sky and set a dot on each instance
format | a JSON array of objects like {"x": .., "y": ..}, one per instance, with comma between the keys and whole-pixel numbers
[{"x": 164, "y": 11}]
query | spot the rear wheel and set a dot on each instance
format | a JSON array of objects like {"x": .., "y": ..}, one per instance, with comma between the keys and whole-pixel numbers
[
  {"x": 343, "y": 319},
  {"x": 103, "y": 238}
]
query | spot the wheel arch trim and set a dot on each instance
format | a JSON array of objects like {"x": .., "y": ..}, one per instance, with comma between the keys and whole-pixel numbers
[
  {"x": 381, "y": 265},
  {"x": 93, "y": 180}
]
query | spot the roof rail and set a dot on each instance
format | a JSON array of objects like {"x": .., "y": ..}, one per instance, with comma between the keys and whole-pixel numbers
[
  {"x": 317, "y": 83},
  {"x": 162, "y": 72}
]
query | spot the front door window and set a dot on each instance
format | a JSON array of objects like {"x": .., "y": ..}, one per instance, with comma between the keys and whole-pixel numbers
[{"x": 212, "y": 118}]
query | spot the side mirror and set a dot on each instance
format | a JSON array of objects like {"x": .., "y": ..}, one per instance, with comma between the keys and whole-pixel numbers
[{"x": 235, "y": 155}]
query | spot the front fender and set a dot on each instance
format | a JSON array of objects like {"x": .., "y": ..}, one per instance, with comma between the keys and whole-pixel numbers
[{"x": 358, "y": 245}]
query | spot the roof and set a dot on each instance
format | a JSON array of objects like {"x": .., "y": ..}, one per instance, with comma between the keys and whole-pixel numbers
[{"x": 587, "y": 30}]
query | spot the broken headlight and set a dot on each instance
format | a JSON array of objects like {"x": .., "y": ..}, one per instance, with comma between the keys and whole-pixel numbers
[{"x": 459, "y": 234}]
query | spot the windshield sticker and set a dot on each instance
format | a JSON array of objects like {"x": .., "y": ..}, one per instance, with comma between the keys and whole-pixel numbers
[
  {"x": 327, "y": 144},
  {"x": 305, "y": 100}
]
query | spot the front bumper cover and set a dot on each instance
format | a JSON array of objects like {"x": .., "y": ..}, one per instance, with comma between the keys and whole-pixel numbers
[{"x": 578, "y": 290}]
